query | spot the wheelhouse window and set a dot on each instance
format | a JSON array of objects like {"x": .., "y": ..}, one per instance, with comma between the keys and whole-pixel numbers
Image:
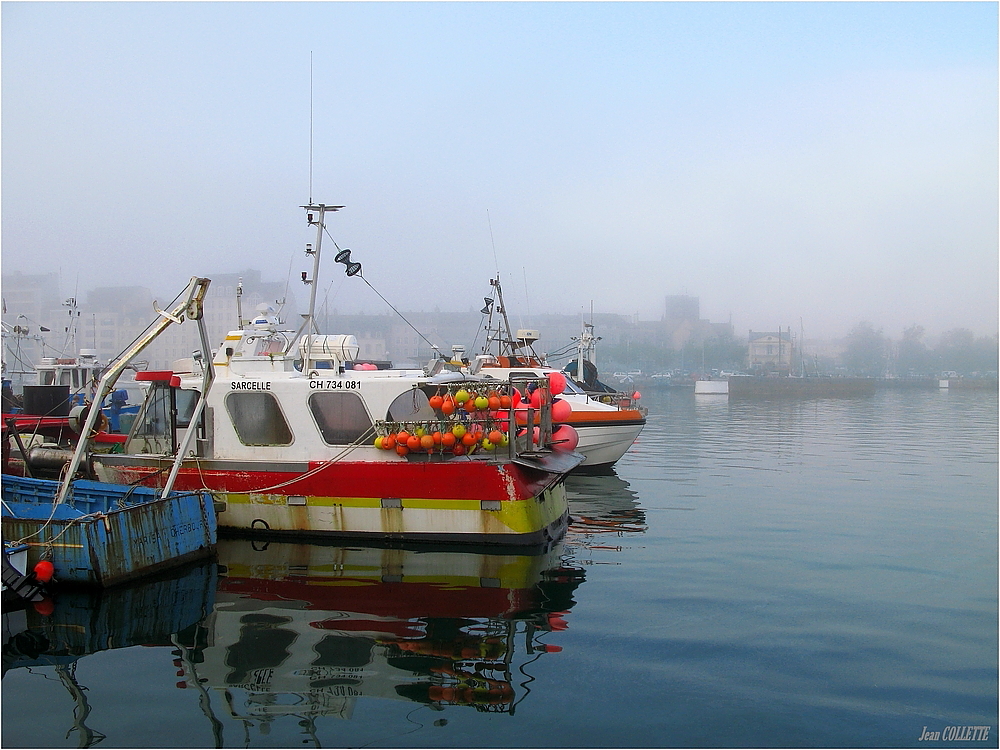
[
  {"x": 153, "y": 430},
  {"x": 258, "y": 419},
  {"x": 185, "y": 401},
  {"x": 340, "y": 415}
]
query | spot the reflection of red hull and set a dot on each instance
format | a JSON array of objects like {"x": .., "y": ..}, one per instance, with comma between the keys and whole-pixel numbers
[{"x": 399, "y": 600}]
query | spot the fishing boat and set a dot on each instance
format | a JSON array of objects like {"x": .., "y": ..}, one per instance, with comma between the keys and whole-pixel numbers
[
  {"x": 58, "y": 388},
  {"x": 297, "y": 437},
  {"x": 98, "y": 533},
  {"x": 607, "y": 422}
]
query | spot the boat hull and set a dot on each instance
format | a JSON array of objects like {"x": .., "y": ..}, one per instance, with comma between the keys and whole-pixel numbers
[
  {"x": 455, "y": 501},
  {"x": 93, "y": 540},
  {"x": 603, "y": 442}
]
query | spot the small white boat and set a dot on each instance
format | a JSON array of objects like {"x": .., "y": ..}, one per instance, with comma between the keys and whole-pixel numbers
[{"x": 607, "y": 422}]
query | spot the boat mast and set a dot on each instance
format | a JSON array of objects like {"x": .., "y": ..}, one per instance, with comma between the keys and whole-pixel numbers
[{"x": 309, "y": 323}]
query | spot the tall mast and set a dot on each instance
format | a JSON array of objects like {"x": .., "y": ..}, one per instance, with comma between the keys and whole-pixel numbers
[{"x": 309, "y": 322}]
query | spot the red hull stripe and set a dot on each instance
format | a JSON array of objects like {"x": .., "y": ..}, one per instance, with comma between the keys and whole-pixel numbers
[{"x": 465, "y": 480}]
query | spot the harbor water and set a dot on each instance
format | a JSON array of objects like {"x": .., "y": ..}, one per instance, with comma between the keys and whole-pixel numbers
[{"x": 792, "y": 572}]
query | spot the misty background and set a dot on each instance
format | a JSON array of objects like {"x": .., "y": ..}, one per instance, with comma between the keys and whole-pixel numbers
[{"x": 813, "y": 165}]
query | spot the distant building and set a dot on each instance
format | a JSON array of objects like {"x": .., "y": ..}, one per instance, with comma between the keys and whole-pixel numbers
[
  {"x": 682, "y": 320},
  {"x": 111, "y": 318},
  {"x": 770, "y": 352}
]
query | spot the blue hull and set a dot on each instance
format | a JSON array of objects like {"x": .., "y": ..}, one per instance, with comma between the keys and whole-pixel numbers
[{"x": 107, "y": 533}]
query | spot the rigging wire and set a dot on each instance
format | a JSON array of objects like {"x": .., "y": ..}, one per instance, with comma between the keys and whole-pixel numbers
[{"x": 391, "y": 306}]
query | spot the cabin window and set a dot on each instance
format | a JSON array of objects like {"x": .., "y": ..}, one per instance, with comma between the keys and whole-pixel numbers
[
  {"x": 185, "y": 402},
  {"x": 258, "y": 419},
  {"x": 410, "y": 406},
  {"x": 152, "y": 431},
  {"x": 340, "y": 416}
]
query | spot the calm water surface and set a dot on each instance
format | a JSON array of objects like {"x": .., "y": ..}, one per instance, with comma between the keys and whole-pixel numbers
[{"x": 788, "y": 573}]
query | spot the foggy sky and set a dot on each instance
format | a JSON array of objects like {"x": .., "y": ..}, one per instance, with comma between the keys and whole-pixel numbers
[{"x": 792, "y": 164}]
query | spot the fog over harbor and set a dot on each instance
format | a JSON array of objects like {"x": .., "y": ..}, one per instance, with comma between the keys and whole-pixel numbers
[{"x": 809, "y": 165}]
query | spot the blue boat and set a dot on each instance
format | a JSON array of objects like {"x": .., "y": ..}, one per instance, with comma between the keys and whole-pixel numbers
[
  {"x": 104, "y": 534},
  {"x": 99, "y": 533}
]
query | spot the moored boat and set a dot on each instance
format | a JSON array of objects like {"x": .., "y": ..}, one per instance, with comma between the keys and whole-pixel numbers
[
  {"x": 606, "y": 422},
  {"x": 298, "y": 438},
  {"x": 95, "y": 532}
]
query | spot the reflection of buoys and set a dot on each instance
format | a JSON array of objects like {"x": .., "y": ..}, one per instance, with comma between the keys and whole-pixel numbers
[
  {"x": 565, "y": 438},
  {"x": 561, "y": 410}
]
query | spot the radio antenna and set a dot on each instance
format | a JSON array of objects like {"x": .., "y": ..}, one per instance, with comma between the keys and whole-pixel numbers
[{"x": 310, "y": 127}]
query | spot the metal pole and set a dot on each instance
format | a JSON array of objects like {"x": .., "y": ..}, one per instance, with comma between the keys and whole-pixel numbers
[{"x": 191, "y": 299}]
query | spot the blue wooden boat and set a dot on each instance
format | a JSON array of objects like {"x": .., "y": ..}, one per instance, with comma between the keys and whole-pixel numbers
[
  {"x": 105, "y": 533},
  {"x": 99, "y": 533}
]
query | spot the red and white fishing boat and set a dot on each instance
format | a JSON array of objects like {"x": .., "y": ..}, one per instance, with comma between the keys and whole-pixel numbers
[
  {"x": 296, "y": 437},
  {"x": 607, "y": 423}
]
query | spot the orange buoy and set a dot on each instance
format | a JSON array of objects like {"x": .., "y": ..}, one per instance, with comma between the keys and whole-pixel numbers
[
  {"x": 427, "y": 443},
  {"x": 435, "y": 402}
]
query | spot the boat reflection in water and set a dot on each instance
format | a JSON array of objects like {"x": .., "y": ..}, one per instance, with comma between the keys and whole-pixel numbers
[
  {"x": 75, "y": 623},
  {"x": 600, "y": 505},
  {"x": 305, "y": 630}
]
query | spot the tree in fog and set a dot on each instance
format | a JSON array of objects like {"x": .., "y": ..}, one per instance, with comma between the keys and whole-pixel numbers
[
  {"x": 912, "y": 355},
  {"x": 867, "y": 350},
  {"x": 961, "y": 351}
]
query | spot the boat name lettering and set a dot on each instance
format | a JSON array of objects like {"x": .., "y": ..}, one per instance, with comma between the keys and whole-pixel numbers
[
  {"x": 251, "y": 385},
  {"x": 334, "y": 384},
  {"x": 158, "y": 534}
]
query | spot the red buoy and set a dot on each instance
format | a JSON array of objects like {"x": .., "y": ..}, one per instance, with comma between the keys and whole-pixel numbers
[{"x": 43, "y": 571}]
